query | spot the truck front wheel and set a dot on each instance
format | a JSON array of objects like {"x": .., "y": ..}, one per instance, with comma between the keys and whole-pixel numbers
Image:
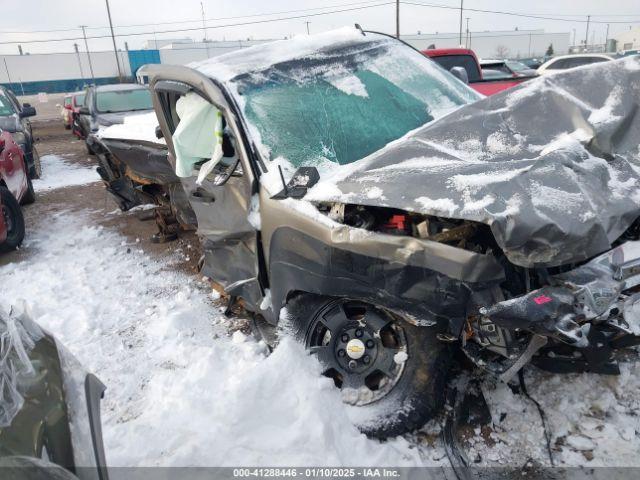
[{"x": 392, "y": 371}]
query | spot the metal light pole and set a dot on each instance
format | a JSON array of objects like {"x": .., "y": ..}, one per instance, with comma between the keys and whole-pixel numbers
[
  {"x": 466, "y": 41},
  {"x": 586, "y": 35},
  {"x": 397, "y": 18},
  {"x": 308, "y": 28},
  {"x": 461, "y": 4},
  {"x": 113, "y": 37},
  {"x": 75, "y": 46},
  {"x": 86, "y": 46}
]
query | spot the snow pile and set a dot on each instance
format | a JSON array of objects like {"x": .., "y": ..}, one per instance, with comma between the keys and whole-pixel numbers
[
  {"x": 593, "y": 420},
  {"x": 57, "y": 173},
  {"x": 180, "y": 392},
  {"x": 135, "y": 127}
]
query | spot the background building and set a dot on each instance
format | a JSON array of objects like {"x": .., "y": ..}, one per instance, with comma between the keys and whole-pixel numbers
[
  {"x": 65, "y": 72},
  {"x": 501, "y": 44},
  {"x": 628, "y": 40}
]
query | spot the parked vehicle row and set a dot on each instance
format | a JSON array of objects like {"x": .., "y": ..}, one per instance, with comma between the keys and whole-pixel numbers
[
  {"x": 15, "y": 189},
  {"x": 14, "y": 118},
  {"x": 391, "y": 234}
]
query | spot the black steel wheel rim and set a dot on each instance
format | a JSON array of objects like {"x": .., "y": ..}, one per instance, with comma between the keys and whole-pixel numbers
[{"x": 358, "y": 346}]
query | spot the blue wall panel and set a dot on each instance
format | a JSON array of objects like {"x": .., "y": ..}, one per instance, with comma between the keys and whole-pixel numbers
[
  {"x": 137, "y": 58},
  {"x": 55, "y": 86}
]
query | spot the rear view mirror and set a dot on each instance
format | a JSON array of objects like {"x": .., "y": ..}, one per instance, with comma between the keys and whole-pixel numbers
[
  {"x": 460, "y": 73},
  {"x": 27, "y": 111}
]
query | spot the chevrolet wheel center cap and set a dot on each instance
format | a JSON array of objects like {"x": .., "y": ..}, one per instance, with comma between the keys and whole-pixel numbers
[{"x": 355, "y": 348}]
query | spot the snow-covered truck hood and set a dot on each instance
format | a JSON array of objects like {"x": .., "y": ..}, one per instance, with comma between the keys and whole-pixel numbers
[{"x": 552, "y": 166}]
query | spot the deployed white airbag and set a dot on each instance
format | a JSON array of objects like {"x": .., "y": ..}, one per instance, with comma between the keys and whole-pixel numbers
[{"x": 198, "y": 136}]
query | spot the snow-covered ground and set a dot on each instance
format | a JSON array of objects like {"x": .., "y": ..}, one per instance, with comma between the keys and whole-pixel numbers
[
  {"x": 57, "y": 173},
  {"x": 183, "y": 391}
]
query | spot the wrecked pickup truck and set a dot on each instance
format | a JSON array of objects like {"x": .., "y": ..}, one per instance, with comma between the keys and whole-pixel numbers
[
  {"x": 370, "y": 202},
  {"x": 49, "y": 407},
  {"x": 135, "y": 171}
]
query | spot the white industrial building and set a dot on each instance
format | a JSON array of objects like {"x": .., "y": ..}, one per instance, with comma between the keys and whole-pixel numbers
[
  {"x": 511, "y": 43},
  {"x": 628, "y": 40},
  {"x": 63, "y": 72}
]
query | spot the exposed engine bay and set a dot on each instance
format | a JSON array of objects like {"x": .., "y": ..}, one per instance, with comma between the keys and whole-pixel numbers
[{"x": 564, "y": 319}]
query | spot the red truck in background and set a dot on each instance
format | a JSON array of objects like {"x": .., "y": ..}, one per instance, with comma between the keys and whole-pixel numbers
[{"x": 449, "y": 58}]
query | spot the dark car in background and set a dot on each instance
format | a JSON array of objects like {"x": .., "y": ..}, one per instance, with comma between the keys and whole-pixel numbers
[
  {"x": 107, "y": 105},
  {"x": 14, "y": 118},
  {"x": 49, "y": 407}
]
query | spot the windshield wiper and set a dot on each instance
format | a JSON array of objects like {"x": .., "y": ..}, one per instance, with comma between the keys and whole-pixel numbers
[{"x": 302, "y": 180}]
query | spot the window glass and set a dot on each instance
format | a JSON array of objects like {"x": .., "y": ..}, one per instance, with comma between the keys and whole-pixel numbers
[
  {"x": 467, "y": 61},
  {"x": 347, "y": 103},
  {"x": 123, "y": 100},
  {"x": 6, "y": 107}
]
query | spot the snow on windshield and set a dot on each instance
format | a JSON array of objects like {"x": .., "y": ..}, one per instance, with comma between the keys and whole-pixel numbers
[{"x": 336, "y": 97}]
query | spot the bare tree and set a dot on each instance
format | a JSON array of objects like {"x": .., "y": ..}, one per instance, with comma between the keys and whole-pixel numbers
[{"x": 502, "y": 51}]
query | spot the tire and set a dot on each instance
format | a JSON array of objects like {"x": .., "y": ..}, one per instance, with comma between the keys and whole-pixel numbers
[
  {"x": 30, "y": 195},
  {"x": 36, "y": 170},
  {"x": 12, "y": 212},
  {"x": 413, "y": 396}
]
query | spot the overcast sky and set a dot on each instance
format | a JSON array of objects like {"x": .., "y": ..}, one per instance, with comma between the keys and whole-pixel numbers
[{"x": 31, "y": 15}]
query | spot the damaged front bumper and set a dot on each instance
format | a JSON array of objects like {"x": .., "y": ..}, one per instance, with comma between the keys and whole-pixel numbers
[{"x": 595, "y": 307}]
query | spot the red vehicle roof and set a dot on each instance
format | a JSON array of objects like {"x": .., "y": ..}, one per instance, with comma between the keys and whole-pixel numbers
[{"x": 439, "y": 52}]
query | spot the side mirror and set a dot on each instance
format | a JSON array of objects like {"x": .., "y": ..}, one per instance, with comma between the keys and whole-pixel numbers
[
  {"x": 26, "y": 104},
  {"x": 159, "y": 133},
  {"x": 84, "y": 111},
  {"x": 27, "y": 111},
  {"x": 460, "y": 73}
]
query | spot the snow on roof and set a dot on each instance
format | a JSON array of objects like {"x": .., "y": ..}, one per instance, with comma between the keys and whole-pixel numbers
[
  {"x": 135, "y": 127},
  {"x": 259, "y": 57}
]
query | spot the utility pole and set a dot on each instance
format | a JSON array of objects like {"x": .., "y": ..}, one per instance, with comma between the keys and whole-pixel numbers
[
  {"x": 75, "y": 46},
  {"x": 308, "y": 27},
  {"x": 586, "y": 35},
  {"x": 204, "y": 29},
  {"x": 7, "y": 69},
  {"x": 113, "y": 38},
  {"x": 461, "y": 4},
  {"x": 466, "y": 40},
  {"x": 397, "y": 18},
  {"x": 606, "y": 38},
  {"x": 86, "y": 46}
]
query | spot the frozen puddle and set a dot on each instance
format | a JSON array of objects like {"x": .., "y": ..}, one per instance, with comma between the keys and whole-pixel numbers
[
  {"x": 57, "y": 173},
  {"x": 180, "y": 392}
]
